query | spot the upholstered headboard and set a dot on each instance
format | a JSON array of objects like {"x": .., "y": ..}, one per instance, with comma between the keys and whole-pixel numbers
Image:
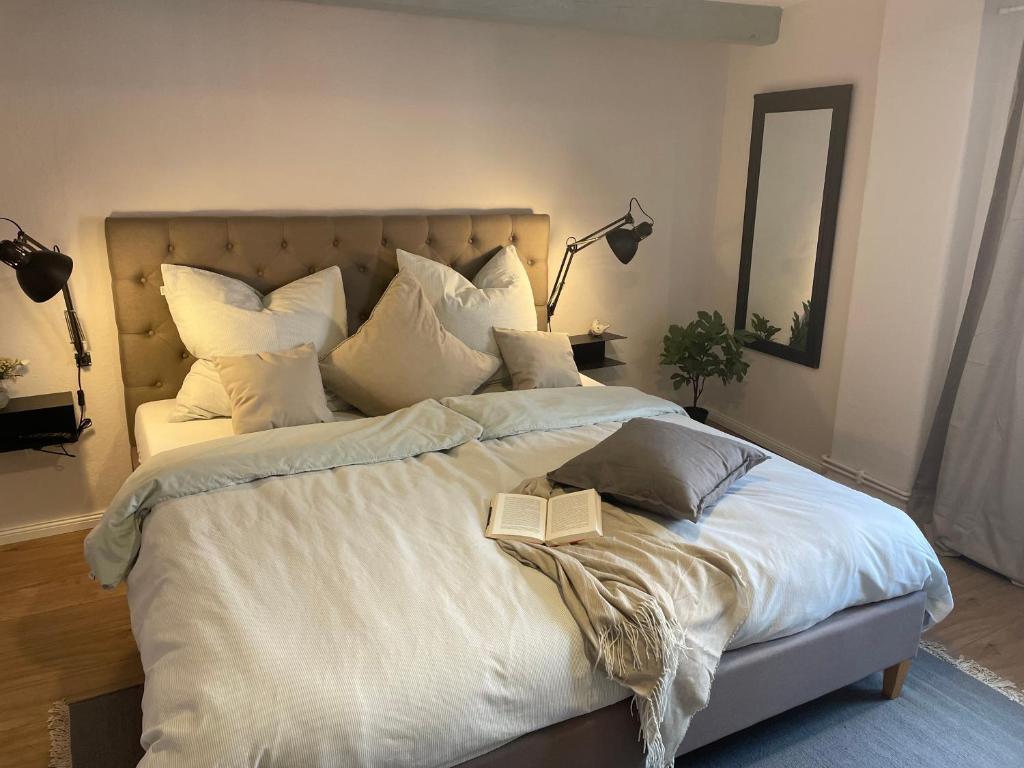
[{"x": 268, "y": 252}]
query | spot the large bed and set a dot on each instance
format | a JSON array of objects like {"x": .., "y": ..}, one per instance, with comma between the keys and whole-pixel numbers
[{"x": 352, "y": 613}]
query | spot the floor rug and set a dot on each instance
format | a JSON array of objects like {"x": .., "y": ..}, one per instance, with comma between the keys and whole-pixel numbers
[
  {"x": 945, "y": 718},
  {"x": 952, "y": 714}
]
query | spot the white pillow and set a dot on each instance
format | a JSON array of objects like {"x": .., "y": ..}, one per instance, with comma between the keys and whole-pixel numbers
[
  {"x": 499, "y": 296},
  {"x": 202, "y": 396},
  {"x": 219, "y": 316}
]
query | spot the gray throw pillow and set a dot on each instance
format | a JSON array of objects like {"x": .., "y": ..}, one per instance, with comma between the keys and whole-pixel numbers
[
  {"x": 661, "y": 467},
  {"x": 537, "y": 359}
]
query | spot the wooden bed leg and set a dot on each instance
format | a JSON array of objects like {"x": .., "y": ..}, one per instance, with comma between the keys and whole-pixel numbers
[{"x": 893, "y": 677}]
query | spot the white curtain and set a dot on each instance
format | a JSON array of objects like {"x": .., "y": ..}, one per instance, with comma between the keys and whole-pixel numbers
[{"x": 971, "y": 478}]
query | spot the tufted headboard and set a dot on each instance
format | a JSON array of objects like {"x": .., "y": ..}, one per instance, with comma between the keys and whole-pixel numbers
[{"x": 268, "y": 252}]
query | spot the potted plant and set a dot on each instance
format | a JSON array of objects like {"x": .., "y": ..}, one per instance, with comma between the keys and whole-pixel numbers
[
  {"x": 704, "y": 349},
  {"x": 10, "y": 368}
]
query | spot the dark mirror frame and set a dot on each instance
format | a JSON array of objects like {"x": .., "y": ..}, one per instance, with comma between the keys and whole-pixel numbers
[{"x": 838, "y": 99}]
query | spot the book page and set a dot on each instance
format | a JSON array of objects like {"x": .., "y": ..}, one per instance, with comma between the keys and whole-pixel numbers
[
  {"x": 517, "y": 515},
  {"x": 573, "y": 513}
]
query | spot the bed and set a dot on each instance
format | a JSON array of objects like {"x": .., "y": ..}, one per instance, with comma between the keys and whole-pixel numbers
[{"x": 302, "y": 645}]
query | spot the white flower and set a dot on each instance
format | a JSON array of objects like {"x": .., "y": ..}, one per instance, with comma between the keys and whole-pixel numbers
[{"x": 12, "y": 367}]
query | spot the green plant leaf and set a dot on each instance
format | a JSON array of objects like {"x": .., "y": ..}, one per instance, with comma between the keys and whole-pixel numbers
[{"x": 705, "y": 348}]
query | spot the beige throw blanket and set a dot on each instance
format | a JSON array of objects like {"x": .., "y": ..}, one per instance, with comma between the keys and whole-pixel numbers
[{"x": 656, "y": 613}]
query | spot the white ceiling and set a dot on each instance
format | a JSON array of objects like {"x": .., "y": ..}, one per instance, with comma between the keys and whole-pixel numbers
[{"x": 755, "y": 23}]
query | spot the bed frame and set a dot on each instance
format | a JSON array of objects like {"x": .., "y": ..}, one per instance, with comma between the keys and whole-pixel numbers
[{"x": 752, "y": 683}]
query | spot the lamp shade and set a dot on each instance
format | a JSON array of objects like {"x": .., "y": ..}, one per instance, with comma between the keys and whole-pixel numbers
[
  {"x": 42, "y": 274},
  {"x": 624, "y": 240}
]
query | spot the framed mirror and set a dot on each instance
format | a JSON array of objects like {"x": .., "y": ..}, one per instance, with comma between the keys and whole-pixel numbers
[{"x": 797, "y": 145}]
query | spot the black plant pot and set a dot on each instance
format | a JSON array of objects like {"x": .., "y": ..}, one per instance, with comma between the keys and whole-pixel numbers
[{"x": 697, "y": 413}]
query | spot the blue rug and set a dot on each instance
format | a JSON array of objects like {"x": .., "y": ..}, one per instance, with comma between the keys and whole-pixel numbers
[{"x": 944, "y": 719}]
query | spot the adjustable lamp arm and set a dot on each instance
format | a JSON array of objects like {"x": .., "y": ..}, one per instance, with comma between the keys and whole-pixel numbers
[
  {"x": 83, "y": 358},
  {"x": 573, "y": 246},
  {"x": 18, "y": 250},
  {"x": 623, "y": 236}
]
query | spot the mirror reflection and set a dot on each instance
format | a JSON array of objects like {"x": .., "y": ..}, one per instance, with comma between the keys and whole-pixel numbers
[{"x": 792, "y": 179}]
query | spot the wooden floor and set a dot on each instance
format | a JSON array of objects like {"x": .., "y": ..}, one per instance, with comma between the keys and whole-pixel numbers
[
  {"x": 987, "y": 624},
  {"x": 61, "y": 636}
]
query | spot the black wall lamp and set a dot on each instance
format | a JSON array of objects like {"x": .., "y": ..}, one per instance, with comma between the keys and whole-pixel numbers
[
  {"x": 622, "y": 235},
  {"x": 43, "y": 273}
]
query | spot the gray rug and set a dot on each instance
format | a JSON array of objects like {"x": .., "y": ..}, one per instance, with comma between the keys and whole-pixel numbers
[{"x": 945, "y": 719}]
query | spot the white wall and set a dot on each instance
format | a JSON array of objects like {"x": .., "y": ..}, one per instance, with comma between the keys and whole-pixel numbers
[
  {"x": 898, "y": 341},
  {"x": 822, "y": 42},
  {"x": 241, "y": 105},
  {"x": 908, "y": 221}
]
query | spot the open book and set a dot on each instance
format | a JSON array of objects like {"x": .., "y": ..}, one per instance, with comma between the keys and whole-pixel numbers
[{"x": 558, "y": 520}]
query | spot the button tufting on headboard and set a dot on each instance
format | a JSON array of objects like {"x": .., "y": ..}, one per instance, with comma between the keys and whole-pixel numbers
[{"x": 268, "y": 252}]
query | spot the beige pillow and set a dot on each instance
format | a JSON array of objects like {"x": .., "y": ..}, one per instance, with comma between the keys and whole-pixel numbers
[
  {"x": 274, "y": 389},
  {"x": 402, "y": 355},
  {"x": 537, "y": 359}
]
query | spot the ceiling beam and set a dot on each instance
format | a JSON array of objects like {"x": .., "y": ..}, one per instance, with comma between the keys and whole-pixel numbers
[{"x": 666, "y": 19}]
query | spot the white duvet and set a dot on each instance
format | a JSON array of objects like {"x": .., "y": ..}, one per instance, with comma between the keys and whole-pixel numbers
[{"x": 358, "y": 617}]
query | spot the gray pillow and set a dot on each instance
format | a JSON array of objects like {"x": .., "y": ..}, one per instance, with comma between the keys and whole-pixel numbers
[
  {"x": 537, "y": 359},
  {"x": 661, "y": 467}
]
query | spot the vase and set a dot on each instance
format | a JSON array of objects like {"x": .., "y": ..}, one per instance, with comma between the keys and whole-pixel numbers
[{"x": 5, "y": 396}]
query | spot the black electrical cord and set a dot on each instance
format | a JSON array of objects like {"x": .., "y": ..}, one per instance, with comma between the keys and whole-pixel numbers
[
  {"x": 62, "y": 452},
  {"x": 83, "y": 422},
  {"x": 645, "y": 213}
]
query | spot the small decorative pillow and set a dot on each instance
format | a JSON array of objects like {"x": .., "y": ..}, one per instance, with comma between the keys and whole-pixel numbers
[
  {"x": 274, "y": 389},
  {"x": 499, "y": 296},
  {"x": 662, "y": 467},
  {"x": 202, "y": 396},
  {"x": 219, "y": 316},
  {"x": 402, "y": 355},
  {"x": 537, "y": 359}
]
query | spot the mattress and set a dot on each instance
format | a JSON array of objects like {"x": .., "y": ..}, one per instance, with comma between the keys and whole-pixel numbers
[{"x": 155, "y": 434}]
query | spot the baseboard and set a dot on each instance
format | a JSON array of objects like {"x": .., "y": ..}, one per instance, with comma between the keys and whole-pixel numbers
[
  {"x": 49, "y": 527},
  {"x": 766, "y": 441},
  {"x": 862, "y": 482},
  {"x": 824, "y": 465}
]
